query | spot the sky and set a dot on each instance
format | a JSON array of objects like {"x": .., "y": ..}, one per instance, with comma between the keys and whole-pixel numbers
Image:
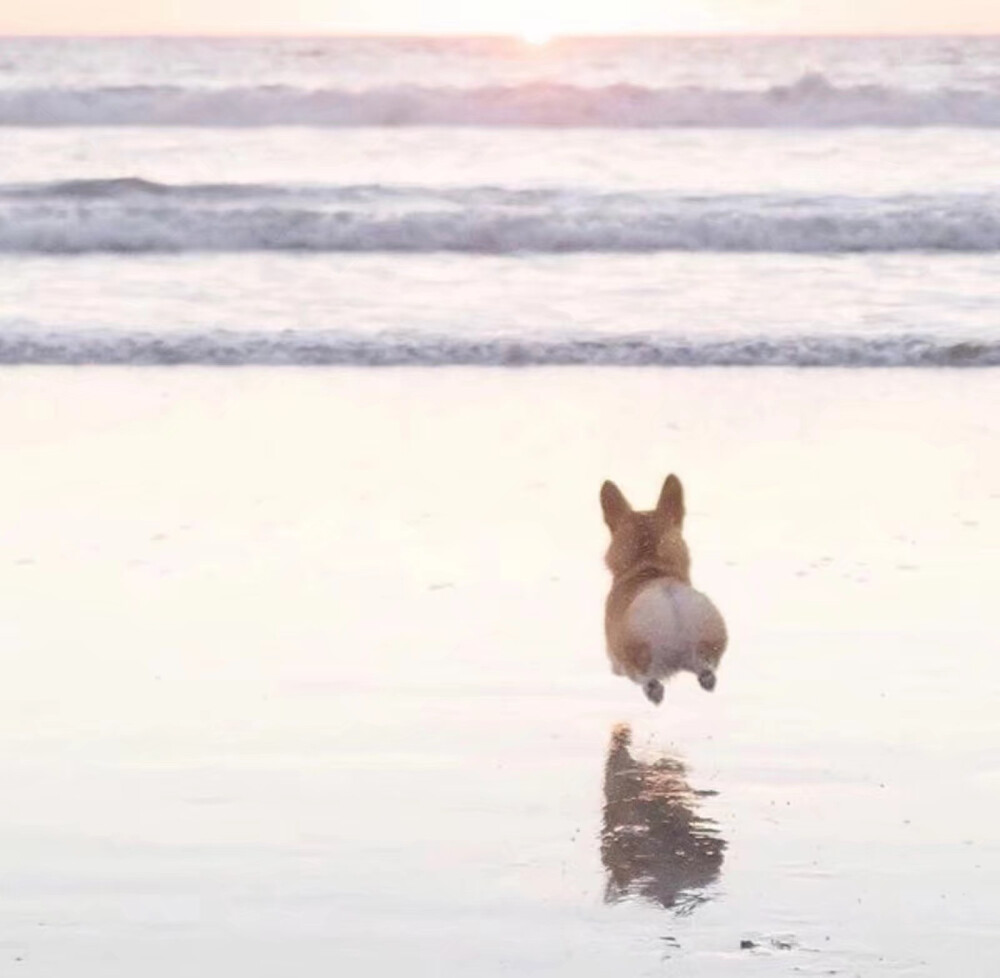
[{"x": 535, "y": 18}]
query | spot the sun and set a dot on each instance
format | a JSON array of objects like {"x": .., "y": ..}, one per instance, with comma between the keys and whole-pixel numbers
[{"x": 537, "y": 36}]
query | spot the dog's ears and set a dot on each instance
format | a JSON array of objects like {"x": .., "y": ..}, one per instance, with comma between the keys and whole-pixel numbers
[
  {"x": 671, "y": 503},
  {"x": 614, "y": 505}
]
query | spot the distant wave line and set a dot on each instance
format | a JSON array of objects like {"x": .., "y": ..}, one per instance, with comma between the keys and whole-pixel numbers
[
  {"x": 336, "y": 348},
  {"x": 811, "y": 101}
]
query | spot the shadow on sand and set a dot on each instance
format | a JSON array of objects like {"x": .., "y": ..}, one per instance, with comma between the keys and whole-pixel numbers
[{"x": 654, "y": 844}]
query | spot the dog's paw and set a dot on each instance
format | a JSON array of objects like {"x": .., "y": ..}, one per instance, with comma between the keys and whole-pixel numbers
[
  {"x": 706, "y": 680},
  {"x": 654, "y": 691}
]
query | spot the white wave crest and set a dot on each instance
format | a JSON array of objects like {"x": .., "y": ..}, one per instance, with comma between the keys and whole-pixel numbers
[
  {"x": 135, "y": 216},
  {"x": 309, "y": 348},
  {"x": 812, "y": 101}
]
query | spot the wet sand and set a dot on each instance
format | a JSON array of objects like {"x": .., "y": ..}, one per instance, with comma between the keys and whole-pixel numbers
[{"x": 303, "y": 674}]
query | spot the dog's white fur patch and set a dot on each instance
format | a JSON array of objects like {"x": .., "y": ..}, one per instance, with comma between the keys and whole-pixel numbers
[{"x": 674, "y": 621}]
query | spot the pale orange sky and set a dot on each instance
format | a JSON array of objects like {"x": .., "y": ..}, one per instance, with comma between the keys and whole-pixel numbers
[{"x": 534, "y": 17}]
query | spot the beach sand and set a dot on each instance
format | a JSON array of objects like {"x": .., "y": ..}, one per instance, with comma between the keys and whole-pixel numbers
[{"x": 303, "y": 674}]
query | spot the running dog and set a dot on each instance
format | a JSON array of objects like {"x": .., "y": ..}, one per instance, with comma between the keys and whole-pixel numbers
[{"x": 656, "y": 623}]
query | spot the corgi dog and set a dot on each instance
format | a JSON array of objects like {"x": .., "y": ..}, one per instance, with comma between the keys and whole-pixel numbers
[{"x": 656, "y": 624}]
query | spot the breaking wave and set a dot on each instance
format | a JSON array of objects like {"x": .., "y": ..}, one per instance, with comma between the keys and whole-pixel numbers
[
  {"x": 812, "y": 101},
  {"x": 310, "y": 348},
  {"x": 138, "y": 216}
]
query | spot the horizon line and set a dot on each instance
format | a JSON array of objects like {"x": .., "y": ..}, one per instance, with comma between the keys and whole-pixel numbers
[{"x": 495, "y": 35}]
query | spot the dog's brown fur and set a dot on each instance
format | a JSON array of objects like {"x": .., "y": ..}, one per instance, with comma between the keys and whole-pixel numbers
[{"x": 647, "y": 546}]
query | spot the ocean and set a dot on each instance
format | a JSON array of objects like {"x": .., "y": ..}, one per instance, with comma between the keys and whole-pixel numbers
[{"x": 627, "y": 201}]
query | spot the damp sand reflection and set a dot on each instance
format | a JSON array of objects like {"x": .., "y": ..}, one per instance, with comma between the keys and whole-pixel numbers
[{"x": 654, "y": 843}]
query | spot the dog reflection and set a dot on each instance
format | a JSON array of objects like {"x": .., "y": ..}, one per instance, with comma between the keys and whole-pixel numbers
[{"x": 654, "y": 844}]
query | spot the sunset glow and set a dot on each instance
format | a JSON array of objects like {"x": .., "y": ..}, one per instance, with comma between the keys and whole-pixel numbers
[
  {"x": 536, "y": 36},
  {"x": 536, "y": 22}
]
